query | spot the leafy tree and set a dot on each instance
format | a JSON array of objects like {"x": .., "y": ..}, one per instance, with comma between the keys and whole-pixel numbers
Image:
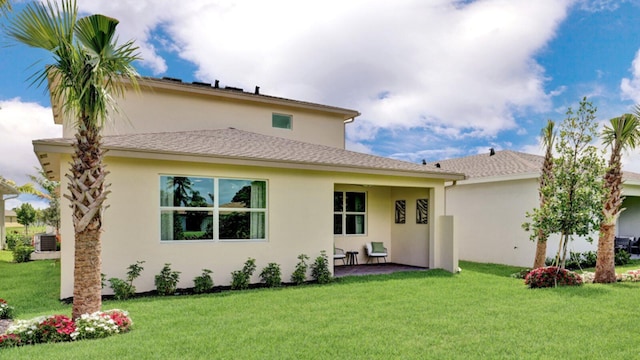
[
  {"x": 548, "y": 138},
  {"x": 85, "y": 77},
  {"x": 26, "y": 215},
  {"x": 50, "y": 215},
  {"x": 574, "y": 194},
  {"x": 622, "y": 133}
]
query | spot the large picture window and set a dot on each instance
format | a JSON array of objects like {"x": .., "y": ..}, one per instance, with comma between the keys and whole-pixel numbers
[
  {"x": 349, "y": 213},
  {"x": 199, "y": 208}
]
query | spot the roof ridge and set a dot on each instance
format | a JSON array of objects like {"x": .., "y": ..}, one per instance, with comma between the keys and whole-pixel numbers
[{"x": 518, "y": 156}]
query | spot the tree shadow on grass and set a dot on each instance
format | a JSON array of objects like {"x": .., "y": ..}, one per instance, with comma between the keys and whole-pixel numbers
[
  {"x": 490, "y": 269},
  {"x": 400, "y": 275}
]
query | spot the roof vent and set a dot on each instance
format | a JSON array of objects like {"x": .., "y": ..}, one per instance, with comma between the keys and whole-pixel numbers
[
  {"x": 216, "y": 84},
  {"x": 424, "y": 162},
  {"x": 201, "y": 83},
  {"x": 438, "y": 165},
  {"x": 257, "y": 92},
  {"x": 172, "y": 79},
  {"x": 492, "y": 151}
]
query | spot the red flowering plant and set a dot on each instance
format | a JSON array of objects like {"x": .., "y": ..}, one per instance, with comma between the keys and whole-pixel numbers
[
  {"x": 56, "y": 328},
  {"x": 552, "y": 276},
  {"x": 9, "y": 340}
]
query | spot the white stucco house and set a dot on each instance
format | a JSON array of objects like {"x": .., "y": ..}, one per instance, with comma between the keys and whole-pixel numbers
[
  {"x": 490, "y": 206},
  {"x": 206, "y": 177},
  {"x": 7, "y": 191}
]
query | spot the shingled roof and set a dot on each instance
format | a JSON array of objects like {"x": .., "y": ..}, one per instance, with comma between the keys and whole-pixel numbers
[
  {"x": 273, "y": 151},
  {"x": 504, "y": 163}
]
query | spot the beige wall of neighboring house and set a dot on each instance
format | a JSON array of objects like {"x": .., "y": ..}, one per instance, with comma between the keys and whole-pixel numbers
[{"x": 299, "y": 221}]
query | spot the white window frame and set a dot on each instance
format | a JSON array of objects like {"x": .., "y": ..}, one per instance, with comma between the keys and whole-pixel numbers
[
  {"x": 289, "y": 116},
  {"x": 216, "y": 209},
  {"x": 344, "y": 213}
]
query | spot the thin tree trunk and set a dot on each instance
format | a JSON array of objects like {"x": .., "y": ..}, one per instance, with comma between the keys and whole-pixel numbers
[{"x": 541, "y": 251}]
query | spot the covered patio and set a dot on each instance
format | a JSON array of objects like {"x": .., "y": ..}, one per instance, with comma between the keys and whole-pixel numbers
[{"x": 374, "y": 269}]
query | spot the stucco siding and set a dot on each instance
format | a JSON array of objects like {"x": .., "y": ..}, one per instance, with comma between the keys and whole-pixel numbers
[
  {"x": 489, "y": 218},
  {"x": 300, "y": 220},
  {"x": 163, "y": 110},
  {"x": 410, "y": 240}
]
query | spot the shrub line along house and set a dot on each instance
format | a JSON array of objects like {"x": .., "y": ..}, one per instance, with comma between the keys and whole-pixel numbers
[
  {"x": 206, "y": 177},
  {"x": 7, "y": 191},
  {"x": 491, "y": 205}
]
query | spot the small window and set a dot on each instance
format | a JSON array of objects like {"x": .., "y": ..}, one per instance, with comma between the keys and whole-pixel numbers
[
  {"x": 281, "y": 121},
  {"x": 349, "y": 213}
]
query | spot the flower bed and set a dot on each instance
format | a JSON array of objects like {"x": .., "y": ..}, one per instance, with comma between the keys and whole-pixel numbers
[
  {"x": 629, "y": 276},
  {"x": 58, "y": 328}
]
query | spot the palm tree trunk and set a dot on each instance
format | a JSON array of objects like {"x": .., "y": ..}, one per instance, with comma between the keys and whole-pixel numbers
[
  {"x": 87, "y": 284},
  {"x": 87, "y": 188},
  {"x": 605, "y": 264}
]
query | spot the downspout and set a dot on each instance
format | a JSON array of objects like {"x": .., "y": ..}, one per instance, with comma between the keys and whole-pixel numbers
[{"x": 453, "y": 183}]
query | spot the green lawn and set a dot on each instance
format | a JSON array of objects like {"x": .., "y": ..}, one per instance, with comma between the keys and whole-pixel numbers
[{"x": 480, "y": 313}]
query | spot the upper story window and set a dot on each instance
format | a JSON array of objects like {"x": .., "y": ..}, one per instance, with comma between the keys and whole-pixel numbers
[
  {"x": 349, "y": 213},
  {"x": 199, "y": 208},
  {"x": 281, "y": 121}
]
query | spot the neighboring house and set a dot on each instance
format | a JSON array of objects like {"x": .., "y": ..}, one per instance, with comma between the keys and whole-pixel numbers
[
  {"x": 205, "y": 177},
  {"x": 490, "y": 206},
  {"x": 7, "y": 191},
  {"x": 10, "y": 217}
]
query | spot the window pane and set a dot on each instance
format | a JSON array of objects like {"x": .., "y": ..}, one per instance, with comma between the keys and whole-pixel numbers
[
  {"x": 245, "y": 194},
  {"x": 242, "y": 225},
  {"x": 355, "y": 224},
  {"x": 337, "y": 224},
  {"x": 186, "y": 225},
  {"x": 281, "y": 121},
  {"x": 355, "y": 202},
  {"x": 186, "y": 191},
  {"x": 337, "y": 201}
]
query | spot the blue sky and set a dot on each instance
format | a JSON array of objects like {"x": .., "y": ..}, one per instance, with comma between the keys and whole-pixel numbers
[{"x": 433, "y": 79}]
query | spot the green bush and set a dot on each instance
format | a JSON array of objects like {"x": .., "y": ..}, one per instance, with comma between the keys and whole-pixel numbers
[
  {"x": 589, "y": 259},
  {"x": 622, "y": 258},
  {"x": 124, "y": 289},
  {"x": 551, "y": 276},
  {"x": 320, "y": 269},
  {"x": 271, "y": 275},
  {"x": 167, "y": 281},
  {"x": 14, "y": 239},
  {"x": 240, "y": 278},
  {"x": 204, "y": 282},
  {"x": 22, "y": 253},
  {"x": 299, "y": 275}
]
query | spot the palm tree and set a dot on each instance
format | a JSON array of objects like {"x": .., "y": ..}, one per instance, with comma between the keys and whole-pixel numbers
[
  {"x": 623, "y": 134},
  {"x": 85, "y": 77},
  {"x": 548, "y": 138},
  {"x": 5, "y": 6}
]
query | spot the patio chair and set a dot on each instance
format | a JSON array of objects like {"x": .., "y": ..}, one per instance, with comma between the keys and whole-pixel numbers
[
  {"x": 376, "y": 250},
  {"x": 635, "y": 246},
  {"x": 338, "y": 254},
  {"x": 623, "y": 243}
]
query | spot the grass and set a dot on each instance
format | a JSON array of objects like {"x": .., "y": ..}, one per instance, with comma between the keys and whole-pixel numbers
[{"x": 478, "y": 314}]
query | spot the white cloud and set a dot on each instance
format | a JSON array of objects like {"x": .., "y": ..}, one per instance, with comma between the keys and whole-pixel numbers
[
  {"x": 631, "y": 87},
  {"x": 20, "y": 123},
  {"x": 463, "y": 68}
]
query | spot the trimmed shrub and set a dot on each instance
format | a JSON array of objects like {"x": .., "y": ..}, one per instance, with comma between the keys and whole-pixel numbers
[
  {"x": 299, "y": 275},
  {"x": 6, "y": 310},
  {"x": 203, "y": 283},
  {"x": 551, "y": 276},
  {"x": 240, "y": 278},
  {"x": 320, "y": 269},
  {"x": 125, "y": 289},
  {"x": 22, "y": 253},
  {"x": 271, "y": 275},
  {"x": 167, "y": 281}
]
